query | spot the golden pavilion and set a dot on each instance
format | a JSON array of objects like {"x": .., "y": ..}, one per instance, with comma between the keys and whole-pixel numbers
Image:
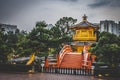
[{"x": 84, "y": 34}]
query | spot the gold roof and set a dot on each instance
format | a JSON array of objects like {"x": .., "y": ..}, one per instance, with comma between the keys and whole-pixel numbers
[{"x": 84, "y": 24}]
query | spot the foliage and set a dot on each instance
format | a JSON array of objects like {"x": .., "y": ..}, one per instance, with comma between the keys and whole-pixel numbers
[
  {"x": 64, "y": 24},
  {"x": 7, "y": 45},
  {"x": 3, "y": 48},
  {"x": 39, "y": 40},
  {"x": 107, "y": 49},
  {"x": 61, "y": 32},
  {"x": 23, "y": 47}
]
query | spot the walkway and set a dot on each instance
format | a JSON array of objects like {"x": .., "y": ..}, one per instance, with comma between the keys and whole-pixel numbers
[
  {"x": 45, "y": 76},
  {"x": 71, "y": 60}
]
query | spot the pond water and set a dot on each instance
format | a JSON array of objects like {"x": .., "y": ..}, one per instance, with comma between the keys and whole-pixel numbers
[{"x": 47, "y": 76}]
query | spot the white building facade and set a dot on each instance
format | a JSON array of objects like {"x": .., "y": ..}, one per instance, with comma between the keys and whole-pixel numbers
[
  {"x": 109, "y": 26},
  {"x": 8, "y": 28}
]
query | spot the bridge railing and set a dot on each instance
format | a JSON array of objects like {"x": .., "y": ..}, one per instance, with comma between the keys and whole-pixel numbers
[
  {"x": 71, "y": 71},
  {"x": 66, "y": 49},
  {"x": 86, "y": 62}
]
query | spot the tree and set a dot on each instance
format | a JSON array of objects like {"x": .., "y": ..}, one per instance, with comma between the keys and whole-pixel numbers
[
  {"x": 107, "y": 49},
  {"x": 40, "y": 38},
  {"x": 64, "y": 25},
  {"x": 3, "y": 48},
  {"x": 61, "y": 32},
  {"x": 7, "y": 45},
  {"x": 97, "y": 34},
  {"x": 23, "y": 45}
]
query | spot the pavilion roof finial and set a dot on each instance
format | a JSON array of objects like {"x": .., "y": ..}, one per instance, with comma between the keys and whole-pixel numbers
[{"x": 84, "y": 17}]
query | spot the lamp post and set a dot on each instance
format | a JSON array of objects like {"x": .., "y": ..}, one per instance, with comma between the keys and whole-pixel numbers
[
  {"x": 93, "y": 67},
  {"x": 33, "y": 68},
  {"x": 42, "y": 65}
]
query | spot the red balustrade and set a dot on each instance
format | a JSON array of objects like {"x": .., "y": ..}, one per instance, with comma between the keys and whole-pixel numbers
[{"x": 66, "y": 49}]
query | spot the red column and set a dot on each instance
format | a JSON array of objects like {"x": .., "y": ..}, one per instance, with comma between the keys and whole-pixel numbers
[
  {"x": 46, "y": 63},
  {"x": 58, "y": 60}
]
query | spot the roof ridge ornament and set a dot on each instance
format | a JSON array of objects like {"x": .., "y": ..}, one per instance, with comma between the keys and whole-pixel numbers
[{"x": 84, "y": 17}]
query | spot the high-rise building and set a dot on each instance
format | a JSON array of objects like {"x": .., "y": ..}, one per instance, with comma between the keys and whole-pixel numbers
[
  {"x": 49, "y": 26},
  {"x": 8, "y": 28},
  {"x": 119, "y": 27},
  {"x": 109, "y": 26}
]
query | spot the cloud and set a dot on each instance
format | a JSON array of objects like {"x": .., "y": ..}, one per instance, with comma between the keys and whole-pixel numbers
[
  {"x": 25, "y": 13},
  {"x": 71, "y": 0},
  {"x": 103, "y": 3},
  {"x": 8, "y": 8}
]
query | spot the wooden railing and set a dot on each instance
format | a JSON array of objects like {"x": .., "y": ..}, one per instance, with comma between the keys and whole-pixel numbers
[{"x": 66, "y": 49}]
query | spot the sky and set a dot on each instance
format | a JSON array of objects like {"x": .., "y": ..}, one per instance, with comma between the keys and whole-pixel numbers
[{"x": 25, "y": 13}]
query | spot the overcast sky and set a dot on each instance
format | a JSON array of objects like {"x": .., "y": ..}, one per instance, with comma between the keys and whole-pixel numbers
[{"x": 25, "y": 13}]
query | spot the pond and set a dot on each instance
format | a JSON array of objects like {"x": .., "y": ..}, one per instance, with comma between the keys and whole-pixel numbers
[{"x": 47, "y": 76}]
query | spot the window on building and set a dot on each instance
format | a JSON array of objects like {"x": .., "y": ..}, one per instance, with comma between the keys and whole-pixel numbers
[
  {"x": 90, "y": 33},
  {"x": 77, "y": 32},
  {"x": 84, "y": 33}
]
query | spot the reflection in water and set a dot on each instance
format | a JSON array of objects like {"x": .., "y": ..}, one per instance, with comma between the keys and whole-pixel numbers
[{"x": 30, "y": 75}]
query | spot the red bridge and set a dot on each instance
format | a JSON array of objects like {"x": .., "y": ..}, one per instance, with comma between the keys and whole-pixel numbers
[{"x": 69, "y": 59}]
